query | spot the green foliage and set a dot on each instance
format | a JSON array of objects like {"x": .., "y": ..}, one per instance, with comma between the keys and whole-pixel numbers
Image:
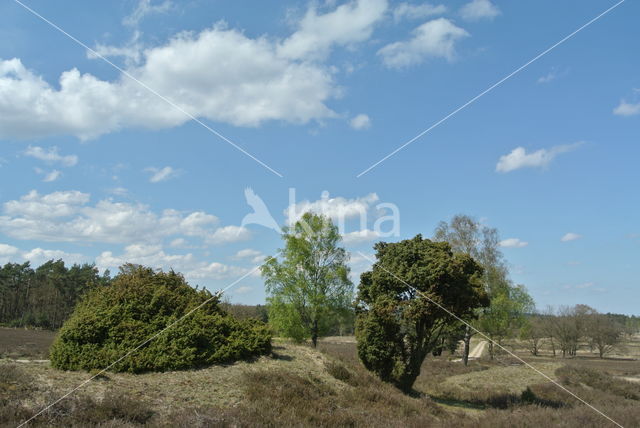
[
  {"x": 506, "y": 313},
  {"x": 44, "y": 297},
  {"x": 110, "y": 321},
  {"x": 509, "y": 303},
  {"x": 310, "y": 288},
  {"x": 397, "y": 326}
]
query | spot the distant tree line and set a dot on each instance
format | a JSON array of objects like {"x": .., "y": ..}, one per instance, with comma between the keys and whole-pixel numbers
[
  {"x": 44, "y": 297},
  {"x": 566, "y": 329}
]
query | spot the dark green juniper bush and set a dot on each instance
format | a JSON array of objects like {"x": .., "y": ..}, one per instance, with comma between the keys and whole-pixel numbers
[
  {"x": 140, "y": 302},
  {"x": 397, "y": 323}
]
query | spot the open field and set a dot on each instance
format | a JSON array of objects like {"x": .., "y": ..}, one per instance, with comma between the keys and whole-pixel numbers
[
  {"x": 326, "y": 387},
  {"x": 20, "y": 343}
]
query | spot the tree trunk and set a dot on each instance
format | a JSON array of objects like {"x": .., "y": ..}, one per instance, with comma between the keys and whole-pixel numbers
[
  {"x": 314, "y": 333},
  {"x": 467, "y": 340}
]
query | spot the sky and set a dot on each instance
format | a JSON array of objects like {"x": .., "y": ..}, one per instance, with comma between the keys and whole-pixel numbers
[{"x": 182, "y": 134}]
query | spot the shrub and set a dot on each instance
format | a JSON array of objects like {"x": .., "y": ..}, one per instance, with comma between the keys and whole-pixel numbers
[
  {"x": 340, "y": 372},
  {"x": 602, "y": 381},
  {"x": 114, "y": 319},
  {"x": 14, "y": 383}
]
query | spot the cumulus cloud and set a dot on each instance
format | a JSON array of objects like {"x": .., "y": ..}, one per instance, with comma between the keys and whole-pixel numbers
[
  {"x": 627, "y": 109},
  {"x": 7, "y": 250},
  {"x": 254, "y": 256},
  {"x": 51, "y": 156},
  {"x": 570, "y": 237},
  {"x": 417, "y": 11},
  {"x": 513, "y": 243},
  {"x": 479, "y": 9},
  {"x": 519, "y": 158},
  {"x": 252, "y": 85},
  {"x": 216, "y": 270},
  {"x": 361, "y": 121},
  {"x": 37, "y": 256},
  {"x": 161, "y": 174},
  {"x": 335, "y": 208},
  {"x": 66, "y": 216},
  {"x": 227, "y": 234},
  {"x": 348, "y": 24},
  {"x": 154, "y": 256},
  {"x": 360, "y": 236},
  {"x": 433, "y": 39},
  {"x": 52, "y": 205}
]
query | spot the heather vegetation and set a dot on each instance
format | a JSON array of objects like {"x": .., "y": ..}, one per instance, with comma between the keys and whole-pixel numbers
[{"x": 186, "y": 357}]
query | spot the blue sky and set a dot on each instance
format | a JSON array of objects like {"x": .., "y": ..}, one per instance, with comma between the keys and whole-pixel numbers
[{"x": 97, "y": 167}]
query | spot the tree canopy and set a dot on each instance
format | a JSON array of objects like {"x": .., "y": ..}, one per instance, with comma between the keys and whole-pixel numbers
[
  {"x": 509, "y": 302},
  {"x": 309, "y": 289},
  {"x": 44, "y": 297},
  {"x": 397, "y": 321}
]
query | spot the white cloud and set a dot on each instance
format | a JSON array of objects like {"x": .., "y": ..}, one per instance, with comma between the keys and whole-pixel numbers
[
  {"x": 243, "y": 290},
  {"x": 252, "y": 85},
  {"x": 360, "y": 236},
  {"x": 570, "y": 237},
  {"x": 254, "y": 256},
  {"x": 118, "y": 191},
  {"x": 552, "y": 75},
  {"x": 479, "y": 9},
  {"x": 51, "y": 156},
  {"x": 627, "y": 109},
  {"x": 335, "y": 208},
  {"x": 36, "y": 256},
  {"x": 228, "y": 234},
  {"x": 7, "y": 250},
  {"x": 415, "y": 11},
  {"x": 519, "y": 158},
  {"x": 132, "y": 51},
  {"x": 360, "y": 263},
  {"x": 348, "y": 24},
  {"x": 145, "y": 8},
  {"x": 56, "y": 204},
  {"x": 513, "y": 243},
  {"x": 52, "y": 176},
  {"x": 154, "y": 256},
  {"x": 179, "y": 243},
  {"x": 161, "y": 174},
  {"x": 216, "y": 270},
  {"x": 361, "y": 121},
  {"x": 433, "y": 39},
  {"x": 247, "y": 253},
  {"x": 67, "y": 217},
  {"x": 147, "y": 255}
]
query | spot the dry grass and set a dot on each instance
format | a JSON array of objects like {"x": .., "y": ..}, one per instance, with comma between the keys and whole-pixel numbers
[
  {"x": 20, "y": 343},
  {"x": 299, "y": 386}
]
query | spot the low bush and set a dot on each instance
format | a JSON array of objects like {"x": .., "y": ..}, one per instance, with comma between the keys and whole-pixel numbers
[
  {"x": 114, "y": 319},
  {"x": 112, "y": 411},
  {"x": 573, "y": 375}
]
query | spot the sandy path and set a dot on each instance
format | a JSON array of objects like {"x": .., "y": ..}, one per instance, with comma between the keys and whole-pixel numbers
[{"x": 478, "y": 350}]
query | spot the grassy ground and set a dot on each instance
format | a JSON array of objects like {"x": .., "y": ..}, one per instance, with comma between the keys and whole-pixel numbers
[
  {"x": 299, "y": 386},
  {"x": 20, "y": 343}
]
